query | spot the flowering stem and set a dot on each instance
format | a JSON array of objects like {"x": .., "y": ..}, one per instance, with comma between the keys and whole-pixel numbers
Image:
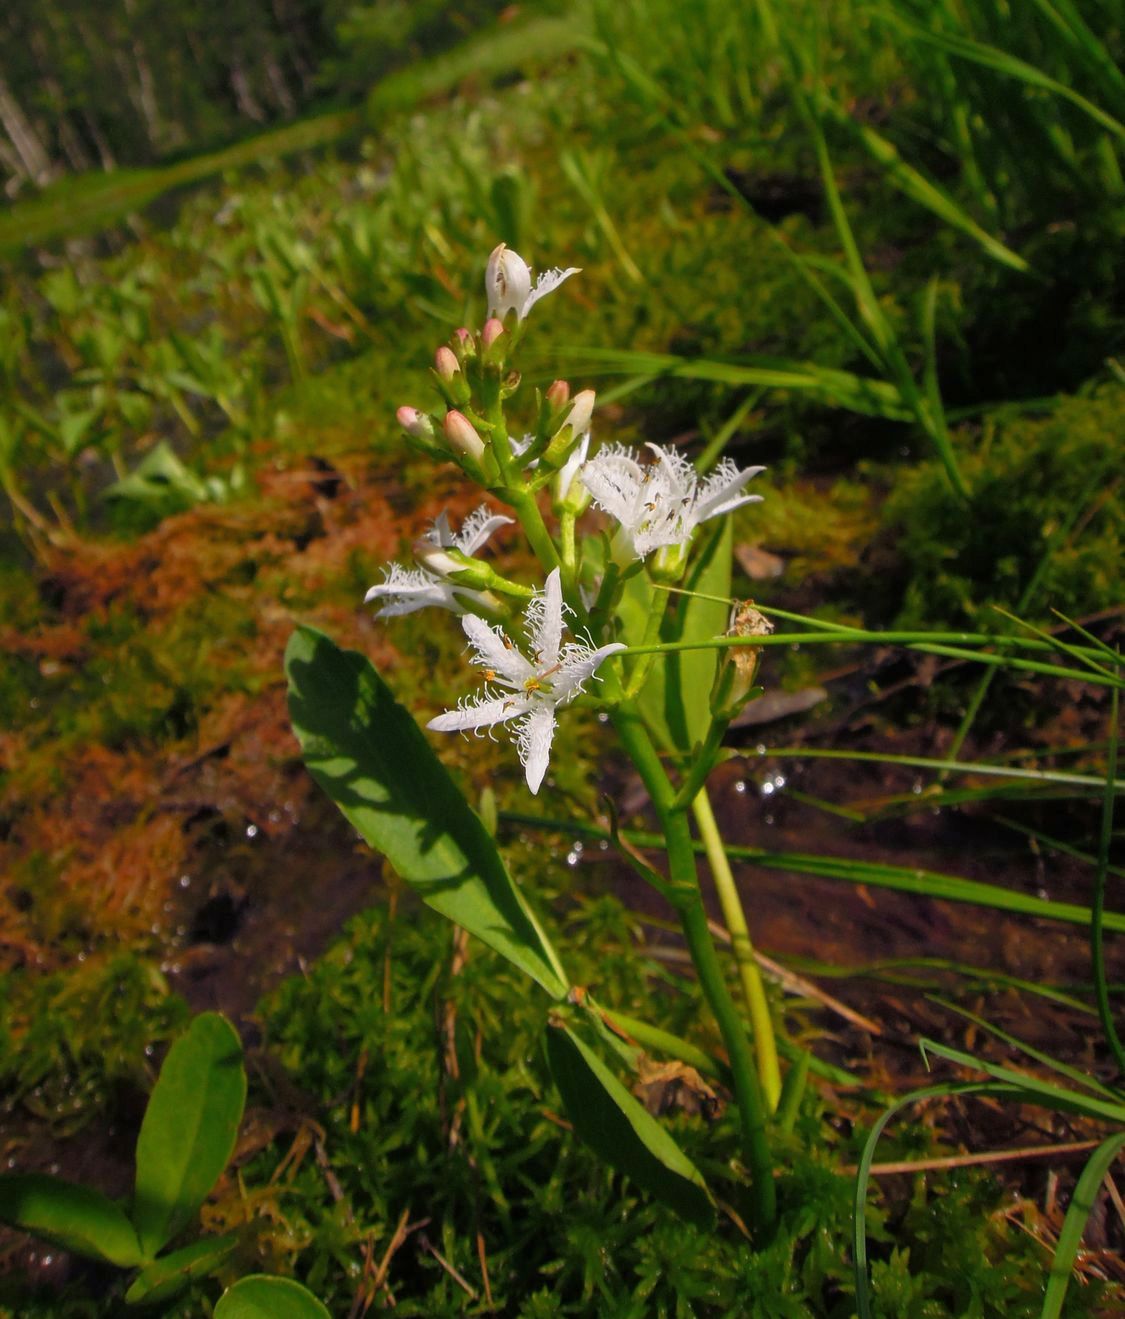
[
  {"x": 765, "y": 1045},
  {"x": 687, "y": 899},
  {"x": 527, "y": 510},
  {"x": 518, "y": 498}
]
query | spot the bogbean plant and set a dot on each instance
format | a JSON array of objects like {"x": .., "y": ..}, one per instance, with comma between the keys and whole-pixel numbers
[
  {"x": 186, "y": 1140},
  {"x": 632, "y": 592}
]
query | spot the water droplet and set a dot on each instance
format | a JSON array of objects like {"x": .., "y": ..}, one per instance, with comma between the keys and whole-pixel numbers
[
  {"x": 740, "y": 787},
  {"x": 916, "y": 788},
  {"x": 603, "y": 845},
  {"x": 769, "y": 819},
  {"x": 768, "y": 788},
  {"x": 251, "y": 831},
  {"x": 185, "y": 881},
  {"x": 760, "y": 749},
  {"x": 603, "y": 718}
]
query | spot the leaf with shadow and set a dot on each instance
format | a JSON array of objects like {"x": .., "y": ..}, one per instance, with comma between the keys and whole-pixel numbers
[{"x": 367, "y": 752}]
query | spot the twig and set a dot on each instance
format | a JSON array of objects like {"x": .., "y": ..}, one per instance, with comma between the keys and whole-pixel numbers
[
  {"x": 427, "y": 1244},
  {"x": 986, "y": 1156}
]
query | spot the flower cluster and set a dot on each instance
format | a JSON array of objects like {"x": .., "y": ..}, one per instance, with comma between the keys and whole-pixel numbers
[{"x": 656, "y": 504}]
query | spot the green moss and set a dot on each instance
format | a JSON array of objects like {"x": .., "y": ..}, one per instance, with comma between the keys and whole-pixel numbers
[
  {"x": 71, "y": 1038},
  {"x": 1044, "y": 520}
]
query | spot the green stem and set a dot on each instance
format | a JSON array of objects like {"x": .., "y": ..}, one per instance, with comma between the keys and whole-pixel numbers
[
  {"x": 527, "y": 510},
  {"x": 753, "y": 990},
  {"x": 688, "y": 901}
]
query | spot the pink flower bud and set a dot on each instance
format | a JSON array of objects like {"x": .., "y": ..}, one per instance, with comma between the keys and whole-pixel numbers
[
  {"x": 462, "y": 438},
  {"x": 415, "y": 423},
  {"x": 558, "y": 395},
  {"x": 446, "y": 364},
  {"x": 492, "y": 331},
  {"x": 578, "y": 418}
]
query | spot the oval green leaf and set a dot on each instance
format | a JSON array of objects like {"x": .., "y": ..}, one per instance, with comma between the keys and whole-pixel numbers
[
  {"x": 618, "y": 1129},
  {"x": 75, "y": 1217},
  {"x": 366, "y": 751},
  {"x": 189, "y": 1129},
  {"x": 261, "y": 1297},
  {"x": 167, "y": 1275}
]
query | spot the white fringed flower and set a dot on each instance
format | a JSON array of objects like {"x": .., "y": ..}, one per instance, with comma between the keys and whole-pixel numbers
[
  {"x": 662, "y": 502},
  {"x": 521, "y": 691},
  {"x": 405, "y": 590},
  {"x": 507, "y": 283}
]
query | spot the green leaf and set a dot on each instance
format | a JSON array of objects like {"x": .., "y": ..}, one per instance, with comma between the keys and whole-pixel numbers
[
  {"x": 262, "y": 1297},
  {"x": 167, "y": 1275},
  {"x": 76, "y": 1217},
  {"x": 366, "y": 751},
  {"x": 189, "y": 1129},
  {"x": 616, "y": 1127},
  {"x": 841, "y": 389},
  {"x": 1031, "y": 1088},
  {"x": 676, "y": 700}
]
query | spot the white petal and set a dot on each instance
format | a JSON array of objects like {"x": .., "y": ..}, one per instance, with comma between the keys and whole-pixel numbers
[
  {"x": 406, "y": 590},
  {"x": 721, "y": 491},
  {"x": 533, "y": 742},
  {"x": 545, "y": 621},
  {"x": 547, "y": 282},
  {"x": 492, "y": 653},
  {"x": 615, "y": 479},
  {"x": 482, "y": 714},
  {"x": 441, "y": 533},
  {"x": 677, "y": 475},
  {"x": 578, "y": 665},
  {"x": 478, "y": 528}
]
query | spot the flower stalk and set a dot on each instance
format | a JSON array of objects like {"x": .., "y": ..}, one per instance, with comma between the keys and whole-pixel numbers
[{"x": 687, "y": 899}]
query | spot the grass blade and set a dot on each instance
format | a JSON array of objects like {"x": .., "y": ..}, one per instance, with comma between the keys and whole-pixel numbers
[{"x": 1074, "y": 1225}]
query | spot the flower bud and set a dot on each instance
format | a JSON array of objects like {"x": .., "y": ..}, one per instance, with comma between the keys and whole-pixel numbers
[
  {"x": 462, "y": 438},
  {"x": 578, "y": 418},
  {"x": 492, "y": 331},
  {"x": 668, "y": 563},
  {"x": 570, "y": 495},
  {"x": 416, "y": 424},
  {"x": 558, "y": 394},
  {"x": 507, "y": 282},
  {"x": 445, "y": 364},
  {"x": 734, "y": 678},
  {"x": 463, "y": 344}
]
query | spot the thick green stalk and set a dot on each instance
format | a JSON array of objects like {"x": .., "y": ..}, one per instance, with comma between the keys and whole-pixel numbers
[
  {"x": 753, "y": 990},
  {"x": 688, "y": 901}
]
